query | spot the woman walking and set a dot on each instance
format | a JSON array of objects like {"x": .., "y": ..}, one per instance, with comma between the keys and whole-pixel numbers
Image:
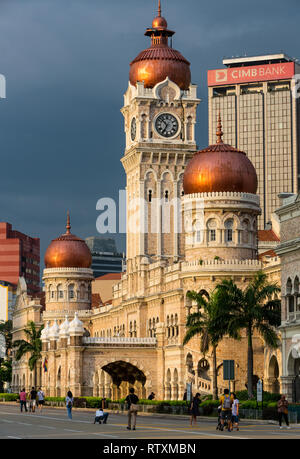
[
  {"x": 69, "y": 403},
  {"x": 195, "y": 408},
  {"x": 235, "y": 412},
  {"x": 283, "y": 411},
  {"x": 41, "y": 399}
]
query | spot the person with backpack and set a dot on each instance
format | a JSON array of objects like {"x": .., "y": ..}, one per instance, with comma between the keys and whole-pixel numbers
[
  {"x": 69, "y": 403},
  {"x": 132, "y": 401},
  {"x": 226, "y": 402},
  {"x": 41, "y": 399}
]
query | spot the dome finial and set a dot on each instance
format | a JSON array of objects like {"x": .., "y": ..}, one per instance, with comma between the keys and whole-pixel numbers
[
  {"x": 219, "y": 131},
  {"x": 159, "y": 9},
  {"x": 68, "y": 226}
]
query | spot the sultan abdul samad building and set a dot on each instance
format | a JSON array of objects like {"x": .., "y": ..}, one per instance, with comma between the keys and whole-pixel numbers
[{"x": 137, "y": 338}]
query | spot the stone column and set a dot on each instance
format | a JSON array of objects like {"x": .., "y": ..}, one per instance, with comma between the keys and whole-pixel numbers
[
  {"x": 287, "y": 387},
  {"x": 75, "y": 362},
  {"x": 157, "y": 386}
]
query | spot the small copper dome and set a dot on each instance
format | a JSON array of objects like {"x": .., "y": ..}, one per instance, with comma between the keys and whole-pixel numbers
[
  {"x": 68, "y": 251},
  {"x": 159, "y": 22},
  {"x": 218, "y": 168},
  {"x": 160, "y": 61}
]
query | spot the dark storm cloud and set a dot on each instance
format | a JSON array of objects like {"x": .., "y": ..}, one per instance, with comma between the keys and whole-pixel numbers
[{"x": 66, "y": 63}]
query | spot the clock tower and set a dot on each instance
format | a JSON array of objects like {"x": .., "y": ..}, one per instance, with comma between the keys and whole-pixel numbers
[{"x": 160, "y": 115}]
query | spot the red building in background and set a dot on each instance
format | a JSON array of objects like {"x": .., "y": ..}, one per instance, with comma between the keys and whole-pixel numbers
[{"x": 19, "y": 257}]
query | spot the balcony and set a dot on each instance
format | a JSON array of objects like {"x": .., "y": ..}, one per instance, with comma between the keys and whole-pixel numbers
[{"x": 120, "y": 342}]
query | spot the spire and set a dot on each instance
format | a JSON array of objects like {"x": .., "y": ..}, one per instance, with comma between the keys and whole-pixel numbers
[
  {"x": 159, "y": 9},
  {"x": 68, "y": 226},
  {"x": 219, "y": 131}
]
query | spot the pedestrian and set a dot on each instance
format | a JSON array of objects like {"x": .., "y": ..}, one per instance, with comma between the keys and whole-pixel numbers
[
  {"x": 151, "y": 396},
  {"x": 185, "y": 396},
  {"x": 33, "y": 395},
  {"x": 226, "y": 402},
  {"x": 69, "y": 403},
  {"x": 283, "y": 411},
  {"x": 195, "y": 408},
  {"x": 28, "y": 401},
  {"x": 235, "y": 411},
  {"x": 100, "y": 415},
  {"x": 23, "y": 400},
  {"x": 132, "y": 401},
  {"x": 41, "y": 399}
]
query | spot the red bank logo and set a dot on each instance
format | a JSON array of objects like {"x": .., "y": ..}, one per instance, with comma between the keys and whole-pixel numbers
[
  {"x": 221, "y": 76},
  {"x": 237, "y": 75}
]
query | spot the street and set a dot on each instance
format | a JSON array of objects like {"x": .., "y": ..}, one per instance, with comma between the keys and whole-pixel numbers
[{"x": 53, "y": 423}]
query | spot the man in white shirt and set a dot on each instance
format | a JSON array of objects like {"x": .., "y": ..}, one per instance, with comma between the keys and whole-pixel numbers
[{"x": 100, "y": 415}]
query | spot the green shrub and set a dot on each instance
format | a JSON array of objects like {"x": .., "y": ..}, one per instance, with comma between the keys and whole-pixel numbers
[
  {"x": 9, "y": 397},
  {"x": 94, "y": 402},
  {"x": 249, "y": 404},
  {"x": 271, "y": 397},
  {"x": 268, "y": 396},
  {"x": 55, "y": 399},
  {"x": 272, "y": 405}
]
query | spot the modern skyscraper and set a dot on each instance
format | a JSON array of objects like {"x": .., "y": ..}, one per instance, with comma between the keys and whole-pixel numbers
[
  {"x": 261, "y": 117},
  {"x": 19, "y": 257},
  {"x": 105, "y": 257}
]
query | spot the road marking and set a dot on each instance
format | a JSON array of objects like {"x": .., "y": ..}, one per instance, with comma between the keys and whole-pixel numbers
[
  {"x": 47, "y": 427},
  {"x": 18, "y": 438},
  {"x": 24, "y": 423},
  {"x": 5, "y": 420},
  {"x": 188, "y": 431},
  {"x": 102, "y": 435},
  {"x": 71, "y": 430}
]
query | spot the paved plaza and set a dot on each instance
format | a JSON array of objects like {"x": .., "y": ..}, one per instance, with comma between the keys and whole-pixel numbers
[{"x": 53, "y": 423}]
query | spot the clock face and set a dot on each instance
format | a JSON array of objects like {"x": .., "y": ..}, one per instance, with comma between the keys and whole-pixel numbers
[
  {"x": 133, "y": 129},
  {"x": 166, "y": 125}
]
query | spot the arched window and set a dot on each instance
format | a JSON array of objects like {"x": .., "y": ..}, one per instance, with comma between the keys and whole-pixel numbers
[
  {"x": 296, "y": 285},
  {"x": 289, "y": 286},
  {"x": 229, "y": 230},
  {"x": 212, "y": 230},
  {"x": 71, "y": 291},
  {"x": 198, "y": 233},
  {"x": 246, "y": 232},
  {"x": 60, "y": 292},
  {"x": 291, "y": 303}
]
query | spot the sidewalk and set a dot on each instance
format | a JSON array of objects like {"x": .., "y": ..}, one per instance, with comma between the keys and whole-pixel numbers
[{"x": 164, "y": 416}]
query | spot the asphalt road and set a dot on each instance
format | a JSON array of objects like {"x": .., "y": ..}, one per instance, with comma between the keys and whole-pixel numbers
[{"x": 53, "y": 423}]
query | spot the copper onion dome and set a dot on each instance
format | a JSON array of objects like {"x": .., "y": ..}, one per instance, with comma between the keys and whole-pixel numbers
[
  {"x": 220, "y": 167},
  {"x": 160, "y": 61},
  {"x": 68, "y": 251}
]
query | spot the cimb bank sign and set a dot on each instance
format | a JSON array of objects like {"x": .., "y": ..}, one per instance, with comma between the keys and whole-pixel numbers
[{"x": 253, "y": 73}]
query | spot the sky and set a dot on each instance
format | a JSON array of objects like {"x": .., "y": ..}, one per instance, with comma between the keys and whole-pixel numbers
[{"x": 66, "y": 64}]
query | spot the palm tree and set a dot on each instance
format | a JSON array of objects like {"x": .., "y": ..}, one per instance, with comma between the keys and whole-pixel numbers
[
  {"x": 203, "y": 324},
  {"x": 33, "y": 346},
  {"x": 251, "y": 309}
]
